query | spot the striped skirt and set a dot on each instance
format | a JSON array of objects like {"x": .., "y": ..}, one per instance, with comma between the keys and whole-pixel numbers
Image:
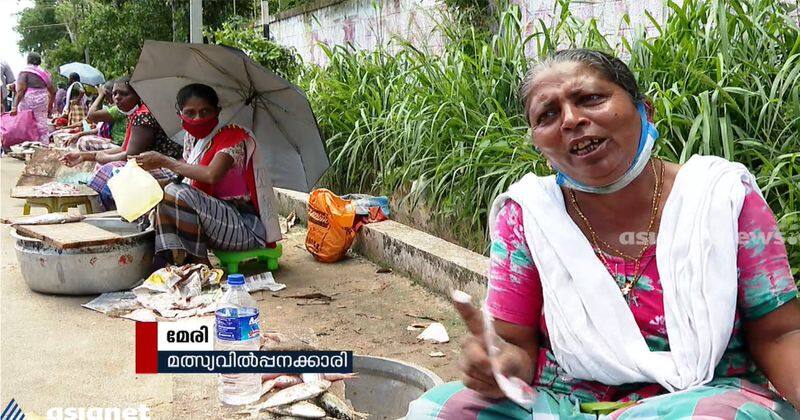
[
  {"x": 726, "y": 398},
  {"x": 193, "y": 221}
]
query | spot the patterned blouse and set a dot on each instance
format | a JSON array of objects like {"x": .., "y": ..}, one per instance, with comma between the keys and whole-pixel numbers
[
  {"x": 161, "y": 141},
  {"x": 765, "y": 283}
]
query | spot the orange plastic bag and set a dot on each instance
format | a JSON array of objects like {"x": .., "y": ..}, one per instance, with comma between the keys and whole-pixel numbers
[{"x": 330, "y": 226}]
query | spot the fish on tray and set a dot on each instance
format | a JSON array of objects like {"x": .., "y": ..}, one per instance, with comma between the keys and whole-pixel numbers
[
  {"x": 301, "y": 392},
  {"x": 285, "y": 381},
  {"x": 331, "y": 377},
  {"x": 54, "y": 189},
  {"x": 302, "y": 409},
  {"x": 339, "y": 409}
]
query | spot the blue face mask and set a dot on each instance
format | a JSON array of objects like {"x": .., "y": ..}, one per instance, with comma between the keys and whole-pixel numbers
[{"x": 646, "y": 142}]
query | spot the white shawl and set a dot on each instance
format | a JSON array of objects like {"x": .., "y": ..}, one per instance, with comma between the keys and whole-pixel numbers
[{"x": 592, "y": 330}]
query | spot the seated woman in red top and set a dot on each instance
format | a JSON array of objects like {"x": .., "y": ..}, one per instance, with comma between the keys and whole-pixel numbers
[{"x": 218, "y": 205}]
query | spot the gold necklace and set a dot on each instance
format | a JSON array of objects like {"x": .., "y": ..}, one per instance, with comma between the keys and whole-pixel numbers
[{"x": 597, "y": 241}]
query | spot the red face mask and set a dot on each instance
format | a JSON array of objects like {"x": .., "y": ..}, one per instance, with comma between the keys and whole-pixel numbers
[{"x": 200, "y": 127}]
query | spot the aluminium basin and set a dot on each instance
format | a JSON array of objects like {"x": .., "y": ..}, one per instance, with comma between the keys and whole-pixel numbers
[
  {"x": 385, "y": 387},
  {"x": 91, "y": 269}
]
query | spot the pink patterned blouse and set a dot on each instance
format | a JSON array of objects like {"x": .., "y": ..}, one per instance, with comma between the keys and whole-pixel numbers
[{"x": 765, "y": 283}]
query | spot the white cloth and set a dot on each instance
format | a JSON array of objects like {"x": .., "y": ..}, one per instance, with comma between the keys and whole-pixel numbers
[
  {"x": 69, "y": 96},
  {"x": 592, "y": 330}
]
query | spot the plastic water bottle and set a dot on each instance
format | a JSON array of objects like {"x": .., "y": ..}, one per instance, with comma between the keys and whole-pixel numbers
[{"x": 237, "y": 329}]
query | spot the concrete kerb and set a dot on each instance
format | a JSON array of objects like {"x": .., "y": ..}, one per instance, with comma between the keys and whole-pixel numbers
[{"x": 437, "y": 264}]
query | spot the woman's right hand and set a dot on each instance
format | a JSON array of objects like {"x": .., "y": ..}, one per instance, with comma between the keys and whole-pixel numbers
[
  {"x": 74, "y": 139},
  {"x": 475, "y": 364},
  {"x": 72, "y": 159}
]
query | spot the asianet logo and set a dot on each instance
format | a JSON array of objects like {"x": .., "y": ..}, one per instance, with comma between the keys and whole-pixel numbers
[
  {"x": 12, "y": 412},
  {"x": 98, "y": 413}
]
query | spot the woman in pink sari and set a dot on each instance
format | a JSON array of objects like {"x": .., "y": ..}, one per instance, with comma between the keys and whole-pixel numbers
[{"x": 35, "y": 91}]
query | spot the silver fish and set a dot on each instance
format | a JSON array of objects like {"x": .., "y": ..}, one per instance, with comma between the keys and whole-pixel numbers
[
  {"x": 267, "y": 386},
  {"x": 338, "y": 408},
  {"x": 300, "y": 392},
  {"x": 255, "y": 414},
  {"x": 302, "y": 409},
  {"x": 285, "y": 381}
]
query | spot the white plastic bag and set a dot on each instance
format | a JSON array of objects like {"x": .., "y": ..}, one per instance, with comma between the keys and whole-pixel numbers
[{"x": 135, "y": 191}]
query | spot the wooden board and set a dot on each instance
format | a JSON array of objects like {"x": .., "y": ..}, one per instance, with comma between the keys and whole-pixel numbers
[
  {"x": 30, "y": 192},
  {"x": 70, "y": 235}
]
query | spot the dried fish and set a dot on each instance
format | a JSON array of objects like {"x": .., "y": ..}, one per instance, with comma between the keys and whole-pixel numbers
[
  {"x": 296, "y": 393},
  {"x": 45, "y": 219},
  {"x": 56, "y": 189},
  {"x": 303, "y": 409},
  {"x": 338, "y": 408}
]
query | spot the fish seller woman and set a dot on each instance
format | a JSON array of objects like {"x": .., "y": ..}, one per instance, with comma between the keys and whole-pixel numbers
[
  {"x": 696, "y": 324},
  {"x": 142, "y": 133},
  {"x": 219, "y": 205}
]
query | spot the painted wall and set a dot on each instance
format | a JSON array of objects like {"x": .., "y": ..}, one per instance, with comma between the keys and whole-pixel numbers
[{"x": 364, "y": 26}]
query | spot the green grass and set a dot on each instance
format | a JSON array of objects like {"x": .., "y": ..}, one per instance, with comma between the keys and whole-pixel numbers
[{"x": 448, "y": 126}]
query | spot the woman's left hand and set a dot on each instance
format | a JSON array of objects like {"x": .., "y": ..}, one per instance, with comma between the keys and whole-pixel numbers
[{"x": 151, "y": 160}]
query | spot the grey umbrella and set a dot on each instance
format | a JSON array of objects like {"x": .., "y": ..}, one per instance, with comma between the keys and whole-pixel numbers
[{"x": 290, "y": 147}]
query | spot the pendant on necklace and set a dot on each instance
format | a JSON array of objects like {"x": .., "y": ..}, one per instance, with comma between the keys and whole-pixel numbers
[{"x": 626, "y": 289}]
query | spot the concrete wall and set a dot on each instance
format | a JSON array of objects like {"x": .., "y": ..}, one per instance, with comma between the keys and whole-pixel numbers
[
  {"x": 610, "y": 13},
  {"x": 364, "y": 24}
]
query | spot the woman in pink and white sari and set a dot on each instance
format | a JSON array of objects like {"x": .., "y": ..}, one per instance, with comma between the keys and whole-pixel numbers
[{"x": 35, "y": 91}]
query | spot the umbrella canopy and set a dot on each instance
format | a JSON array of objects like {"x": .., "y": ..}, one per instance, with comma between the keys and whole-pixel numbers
[
  {"x": 290, "y": 147},
  {"x": 89, "y": 74}
]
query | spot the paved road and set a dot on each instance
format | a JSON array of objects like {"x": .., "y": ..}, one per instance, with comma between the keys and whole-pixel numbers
[{"x": 54, "y": 353}]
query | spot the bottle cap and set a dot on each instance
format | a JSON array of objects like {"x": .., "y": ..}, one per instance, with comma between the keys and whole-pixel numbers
[{"x": 235, "y": 279}]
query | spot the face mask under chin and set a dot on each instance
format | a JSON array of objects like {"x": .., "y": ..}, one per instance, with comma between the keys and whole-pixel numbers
[{"x": 130, "y": 111}]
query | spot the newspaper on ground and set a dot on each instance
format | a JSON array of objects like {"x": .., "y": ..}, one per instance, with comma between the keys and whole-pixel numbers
[{"x": 114, "y": 303}]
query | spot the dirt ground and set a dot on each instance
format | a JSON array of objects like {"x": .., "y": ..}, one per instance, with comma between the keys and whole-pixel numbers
[{"x": 54, "y": 353}]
